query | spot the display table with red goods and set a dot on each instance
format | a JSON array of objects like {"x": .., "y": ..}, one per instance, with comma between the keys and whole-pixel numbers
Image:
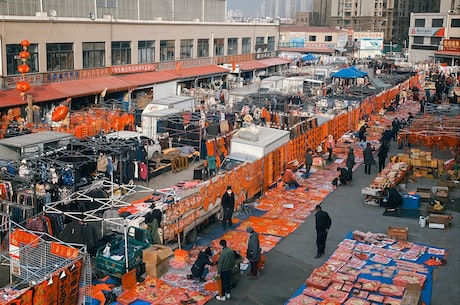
[{"x": 369, "y": 268}]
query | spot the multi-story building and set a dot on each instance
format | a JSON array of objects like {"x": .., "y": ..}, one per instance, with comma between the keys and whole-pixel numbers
[
  {"x": 319, "y": 40},
  {"x": 435, "y": 37},
  {"x": 390, "y": 16},
  {"x": 67, "y": 44},
  {"x": 321, "y": 13}
]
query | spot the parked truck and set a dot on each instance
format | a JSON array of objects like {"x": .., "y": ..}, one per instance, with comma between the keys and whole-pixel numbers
[{"x": 261, "y": 160}]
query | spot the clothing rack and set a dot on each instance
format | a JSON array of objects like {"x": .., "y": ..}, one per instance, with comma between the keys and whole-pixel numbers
[{"x": 19, "y": 212}]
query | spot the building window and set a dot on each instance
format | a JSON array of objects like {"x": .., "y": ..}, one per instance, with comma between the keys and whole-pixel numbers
[
  {"x": 167, "y": 50},
  {"x": 203, "y": 47},
  {"x": 437, "y": 23},
  {"x": 186, "y": 48},
  {"x": 232, "y": 47},
  {"x": 435, "y": 41},
  {"x": 418, "y": 39},
  {"x": 13, "y": 60},
  {"x": 121, "y": 53},
  {"x": 59, "y": 56},
  {"x": 93, "y": 54},
  {"x": 219, "y": 47},
  {"x": 328, "y": 38},
  {"x": 312, "y": 38},
  {"x": 419, "y": 23},
  {"x": 271, "y": 43},
  {"x": 246, "y": 45},
  {"x": 455, "y": 23},
  {"x": 146, "y": 51}
]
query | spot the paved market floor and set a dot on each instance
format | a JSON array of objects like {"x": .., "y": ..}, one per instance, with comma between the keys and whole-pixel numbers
[{"x": 290, "y": 263}]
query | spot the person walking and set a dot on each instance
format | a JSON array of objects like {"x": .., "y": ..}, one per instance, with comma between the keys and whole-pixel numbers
[
  {"x": 323, "y": 224},
  {"x": 368, "y": 154},
  {"x": 228, "y": 206},
  {"x": 199, "y": 270},
  {"x": 330, "y": 146},
  {"x": 308, "y": 162},
  {"x": 253, "y": 252},
  {"x": 224, "y": 269},
  {"x": 350, "y": 162},
  {"x": 382, "y": 155}
]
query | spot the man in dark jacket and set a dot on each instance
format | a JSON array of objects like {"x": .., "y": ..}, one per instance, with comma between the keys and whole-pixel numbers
[
  {"x": 199, "y": 270},
  {"x": 323, "y": 224},
  {"x": 308, "y": 162},
  {"x": 224, "y": 269},
  {"x": 344, "y": 177},
  {"x": 253, "y": 252},
  {"x": 392, "y": 199},
  {"x": 228, "y": 206}
]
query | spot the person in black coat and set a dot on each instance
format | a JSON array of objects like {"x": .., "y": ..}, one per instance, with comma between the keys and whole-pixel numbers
[
  {"x": 253, "y": 251},
  {"x": 368, "y": 154},
  {"x": 392, "y": 199},
  {"x": 362, "y": 131},
  {"x": 323, "y": 224},
  {"x": 382, "y": 154},
  {"x": 350, "y": 162},
  {"x": 344, "y": 177},
  {"x": 228, "y": 206},
  {"x": 199, "y": 270}
]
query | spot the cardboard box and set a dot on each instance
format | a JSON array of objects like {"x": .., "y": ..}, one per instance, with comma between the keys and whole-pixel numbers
[
  {"x": 412, "y": 295},
  {"x": 156, "y": 254},
  {"x": 441, "y": 219},
  {"x": 157, "y": 270},
  {"x": 440, "y": 191},
  {"x": 398, "y": 233},
  {"x": 424, "y": 193}
]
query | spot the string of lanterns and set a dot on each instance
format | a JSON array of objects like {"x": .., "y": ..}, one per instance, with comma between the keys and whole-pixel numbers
[{"x": 23, "y": 86}]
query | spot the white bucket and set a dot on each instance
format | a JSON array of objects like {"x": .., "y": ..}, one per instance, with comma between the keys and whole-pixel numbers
[{"x": 422, "y": 221}]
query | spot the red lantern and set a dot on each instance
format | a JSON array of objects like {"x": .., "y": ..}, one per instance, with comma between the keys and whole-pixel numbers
[
  {"x": 25, "y": 43},
  {"x": 23, "y": 86},
  {"x": 24, "y": 69},
  {"x": 59, "y": 113},
  {"x": 24, "y": 54}
]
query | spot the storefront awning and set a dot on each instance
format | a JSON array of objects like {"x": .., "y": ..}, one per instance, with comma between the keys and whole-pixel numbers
[
  {"x": 84, "y": 87},
  {"x": 149, "y": 78},
  {"x": 12, "y": 97},
  {"x": 447, "y": 54},
  {"x": 251, "y": 65},
  {"x": 200, "y": 72},
  {"x": 274, "y": 61}
]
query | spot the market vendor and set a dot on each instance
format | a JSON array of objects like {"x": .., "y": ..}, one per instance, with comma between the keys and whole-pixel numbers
[
  {"x": 392, "y": 199},
  {"x": 289, "y": 178}
]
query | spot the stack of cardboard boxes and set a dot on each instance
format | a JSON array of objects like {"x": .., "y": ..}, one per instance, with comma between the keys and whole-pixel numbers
[{"x": 156, "y": 259}]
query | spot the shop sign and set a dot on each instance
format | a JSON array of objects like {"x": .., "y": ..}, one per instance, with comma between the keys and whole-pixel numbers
[
  {"x": 265, "y": 55},
  {"x": 314, "y": 45},
  {"x": 61, "y": 76},
  {"x": 94, "y": 73},
  {"x": 32, "y": 79},
  {"x": 451, "y": 45},
  {"x": 427, "y": 32},
  {"x": 133, "y": 68}
]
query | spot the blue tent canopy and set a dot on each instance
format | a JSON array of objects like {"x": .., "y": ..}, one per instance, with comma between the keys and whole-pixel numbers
[
  {"x": 351, "y": 72},
  {"x": 308, "y": 57}
]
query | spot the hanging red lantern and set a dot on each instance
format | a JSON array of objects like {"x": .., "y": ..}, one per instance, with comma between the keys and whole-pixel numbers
[
  {"x": 25, "y": 43},
  {"x": 24, "y": 54},
  {"x": 59, "y": 113},
  {"x": 23, "y": 69},
  {"x": 23, "y": 86}
]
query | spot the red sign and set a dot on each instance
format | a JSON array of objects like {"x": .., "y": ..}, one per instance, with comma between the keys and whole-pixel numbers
[{"x": 451, "y": 45}]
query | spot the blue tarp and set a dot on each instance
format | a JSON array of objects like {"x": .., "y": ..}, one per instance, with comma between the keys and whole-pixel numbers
[
  {"x": 308, "y": 57},
  {"x": 351, "y": 72}
]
